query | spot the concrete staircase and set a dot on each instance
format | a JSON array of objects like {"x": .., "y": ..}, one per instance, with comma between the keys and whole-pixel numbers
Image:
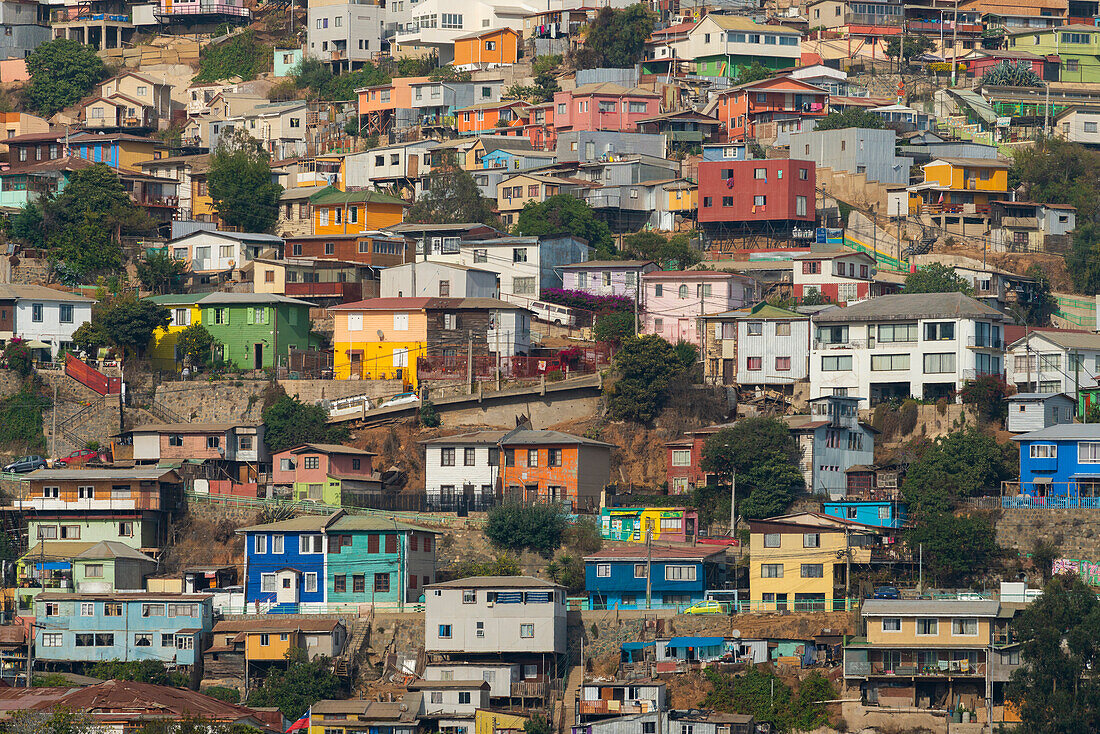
[{"x": 567, "y": 705}]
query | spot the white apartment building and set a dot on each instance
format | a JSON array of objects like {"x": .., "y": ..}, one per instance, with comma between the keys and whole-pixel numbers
[
  {"x": 924, "y": 345},
  {"x": 1053, "y": 361},
  {"x": 499, "y": 676},
  {"x": 762, "y": 345},
  {"x": 437, "y": 280},
  {"x": 433, "y": 25},
  {"x": 344, "y": 34},
  {"x": 513, "y": 615},
  {"x": 215, "y": 251}
]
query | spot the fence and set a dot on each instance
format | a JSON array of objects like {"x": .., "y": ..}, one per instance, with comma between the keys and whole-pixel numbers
[
  {"x": 573, "y": 361},
  {"x": 746, "y": 606},
  {"x": 90, "y": 377}
]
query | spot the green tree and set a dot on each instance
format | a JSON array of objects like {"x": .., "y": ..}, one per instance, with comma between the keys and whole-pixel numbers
[
  {"x": 56, "y": 721},
  {"x": 564, "y": 214},
  {"x": 294, "y": 690},
  {"x": 753, "y": 73},
  {"x": 583, "y": 537},
  {"x": 141, "y": 671},
  {"x": 240, "y": 184},
  {"x": 290, "y": 422},
  {"x": 223, "y": 693},
  {"x": 1083, "y": 259},
  {"x": 125, "y": 322},
  {"x": 195, "y": 344},
  {"x": 954, "y": 548},
  {"x": 852, "y": 117},
  {"x": 417, "y": 65},
  {"x": 646, "y": 366},
  {"x": 318, "y": 81},
  {"x": 538, "y": 724},
  {"x": 62, "y": 73},
  {"x": 936, "y": 278},
  {"x": 1056, "y": 687},
  {"x": 987, "y": 394},
  {"x": 764, "y": 456},
  {"x": 914, "y": 46},
  {"x": 451, "y": 196},
  {"x": 615, "y": 38},
  {"x": 813, "y": 297},
  {"x": 671, "y": 253},
  {"x": 1038, "y": 304},
  {"x": 568, "y": 571},
  {"x": 503, "y": 565},
  {"x": 517, "y": 527},
  {"x": 613, "y": 326},
  {"x": 545, "y": 84},
  {"x": 964, "y": 463},
  {"x": 159, "y": 272},
  {"x": 27, "y": 225},
  {"x": 242, "y": 55},
  {"x": 766, "y": 696},
  {"x": 21, "y": 417}
]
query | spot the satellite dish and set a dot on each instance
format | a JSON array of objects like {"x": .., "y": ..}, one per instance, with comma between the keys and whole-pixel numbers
[
  {"x": 381, "y": 335},
  {"x": 736, "y": 634}
]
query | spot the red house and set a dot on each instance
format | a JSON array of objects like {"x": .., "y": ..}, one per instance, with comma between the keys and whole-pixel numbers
[
  {"x": 742, "y": 107},
  {"x": 980, "y": 61},
  {"x": 776, "y": 190},
  {"x": 604, "y": 106},
  {"x": 540, "y": 126},
  {"x": 682, "y": 470},
  {"x": 842, "y": 276}
]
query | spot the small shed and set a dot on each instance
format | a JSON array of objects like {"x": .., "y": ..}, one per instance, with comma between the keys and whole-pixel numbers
[{"x": 1036, "y": 411}]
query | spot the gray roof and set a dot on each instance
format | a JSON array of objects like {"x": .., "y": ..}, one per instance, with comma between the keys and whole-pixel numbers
[
  {"x": 496, "y": 582},
  {"x": 306, "y": 523},
  {"x": 610, "y": 264},
  {"x": 108, "y": 549},
  {"x": 374, "y": 523},
  {"x": 137, "y": 472},
  {"x": 930, "y": 607},
  {"x": 910, "y": 306},
  {"x": 40, "y": 293},
  {"x": 480, "y": 438},
  {"x": 241, "y": 236},
  {"x": 516, "y": 437},
  {"x": 1038, "y": 396},
  {"x": 1063, "y": 432},
  {"x": 1064, "y": 339},
  {"x": 244, "y": 299}
]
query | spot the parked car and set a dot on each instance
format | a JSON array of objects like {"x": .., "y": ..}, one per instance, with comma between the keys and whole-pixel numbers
[
  {"x": 404, "y": 398},
  {"x": 553, "y": 313},
  {"x": 76, "y": 458},
  {"x": 25, "y": 464},
  {"x": 887, "y": 592},
  {"x": 705, "y": 607}
]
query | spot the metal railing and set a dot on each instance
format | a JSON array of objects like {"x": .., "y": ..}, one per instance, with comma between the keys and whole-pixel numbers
[
  {"x": 318, "y": 508},
  {"x": 945, "y": 668},
  {"x": 985, "y": 343},
  {"x": 747, "y": 606}
]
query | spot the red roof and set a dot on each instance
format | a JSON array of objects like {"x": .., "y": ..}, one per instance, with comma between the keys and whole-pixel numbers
[{"x": 632, "y": 552}]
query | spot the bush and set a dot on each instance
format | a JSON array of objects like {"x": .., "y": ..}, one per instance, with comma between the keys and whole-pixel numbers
[
  {"x": 241, "y": 56},
  {"x": 614, "y": 327},
  {"x": 18, "y": 357},
  {"x": 429, "y": 416},
  {"x": 223, "y": 693},
  {"x": 584, "y": 537},
  {"x": 592, "y": 305},
  {"x": 515, "y": 527}
]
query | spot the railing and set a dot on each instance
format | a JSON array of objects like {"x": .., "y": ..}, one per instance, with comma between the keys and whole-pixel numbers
[
  {"x": 583, "y": 603},
  {"x": 622, "y": 708},
  {"x": 948, "y": 668},
  {"x": 530, "y": 688},
  {"x": 317, "y": 508},
  {"x": 986, "y": 343},
  {"x": 203, "y": 9},
  {"x": 90, "y": 377}
]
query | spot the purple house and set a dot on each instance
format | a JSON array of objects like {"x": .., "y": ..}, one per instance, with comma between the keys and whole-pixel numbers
[{"x": 606, "y": 277}]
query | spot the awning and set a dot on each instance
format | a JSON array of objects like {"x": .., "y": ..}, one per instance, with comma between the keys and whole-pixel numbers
[
  {"x": 36, "y": 344},
  {"x": 637, "y": 645},
  {"x": 696, "y": 641},
  {"x": 53, "y": 566}
]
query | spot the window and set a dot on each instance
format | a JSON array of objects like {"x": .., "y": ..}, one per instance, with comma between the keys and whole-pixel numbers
[
  {"x": 553, "y": 457},
  {"x": 522, "y": 286},
  {"x": 894, "y": 333},
  {"x": 311, "y": 582},
  {"x": 800, "y": 206},
  {"x": 1088, "y": 452},
  {"x": 93, "y": 570},
  {"x": 444, "y": 631},
  {"x": 640, "y": 571},
  {"x": 772, "y": 540},
  {"x": 755, "y": 328},
  {"x": 754, "y": 363},
  {"x": 927, "y": 627},
  {"x": 603, "y": 570},
  {"x": 888, "y": 362},
  {"x": 938, "y": 364},
  {"x": 111, "y": 609},
  {"x": 519, "y": 254},
  {"x": 680, "y": 573},
  {"x": 1043, "y": 451},
  {"x": 759, "y": 200},
  {"x": 771, "y": 571},
  {"x": 261, "y": 544},
  {"x": 52, "y": 639},
  {"x": 309, "y": 544},
  {"x": 681, "y": 457},
  {"x": 87, "y": 609},
  {"x": 891, "y": 624},
  {"x": 836, "y": 364},
  {"x": 526, "y": 630},
  {"x": 65, "y": 313},
  {"x": 382, "y": 582},
  {"x": 811, "y": 540},
  {"x": 803, "y": 174},
  {"x": 682, "y": 292},
  {"x": 464, "y": 696},
  {"x": 813, "y": 570},
  {"x": 447, "y": 456},
  {"x": 86, "y": 493},
  {"x": 52, "y": 609},
  {"x": 1090, "y": 127},
  {"x": 727, "y": 201},
  {"x": 964, "y": 627},
  {"x": 36, "y": 312},
  {"x": 532, "y": 457},
  {"x": 939, "y": 331},
  {"x": 782, "y": 364}
]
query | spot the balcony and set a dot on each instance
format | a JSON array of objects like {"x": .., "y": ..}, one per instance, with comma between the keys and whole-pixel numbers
[
  {"x": 619, "y": 708},
  {"x": 873, "y": 19},
  {"x": 985, "y": 342},
  {"x": 942, "y": 669},
  {"x": 347, "y": 291},
  {"x": 533, "y": 688}
]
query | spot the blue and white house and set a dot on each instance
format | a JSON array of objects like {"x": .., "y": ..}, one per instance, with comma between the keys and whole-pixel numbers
[
  {"x": 285, "y": 561},
  {"x": 832, "y": 439},
  {"x": 877, "y": 513},
  {"x": 89, "y": 628},
  {"x": 1061, "y": 464},
  {"x": 615, "y": 578}
]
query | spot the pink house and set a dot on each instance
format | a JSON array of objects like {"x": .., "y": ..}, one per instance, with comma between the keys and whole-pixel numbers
[
  {"x": 604, "y": 106},
  {"x": 324, "y": 472},
  {"x": 675, "y": 299}
]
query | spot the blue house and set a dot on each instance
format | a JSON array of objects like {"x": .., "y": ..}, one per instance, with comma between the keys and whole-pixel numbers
[
  {"x": 285, "y": 561},
  {"x": 616, "y": 577},
  {"x": 1061, "y": 462},
  {"x": 88, "y": 628},
  {"x": 517, "y": 160},
  {"x": 726, "y": 152},
  {"x": 879, "y": 513}
]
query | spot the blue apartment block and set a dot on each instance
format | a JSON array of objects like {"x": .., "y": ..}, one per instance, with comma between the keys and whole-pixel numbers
[
  {"x": 878, "y": 513},
  {"x": 285, "y": 561},
  {"x": 89, "y": 628},
  {"x": 1061, "y": 462},
  {"x": 616, "y": 577}
]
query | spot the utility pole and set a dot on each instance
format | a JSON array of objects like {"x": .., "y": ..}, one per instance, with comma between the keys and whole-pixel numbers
[
  {"x": 469, "y": 363},
  {"x": 53, "y": 430},
  {"x": 920, "y": 568},
  {"x": 847, "y": 567},
  {"x": 649, "y": 568},
  {"x": 1076, "y": 379},
  {"x": 955, "y": 44},
  {"x": 637, "y": 287},
  {"x": 733, "y": 503}
]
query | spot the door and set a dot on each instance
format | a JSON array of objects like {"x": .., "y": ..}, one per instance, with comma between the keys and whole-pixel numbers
[
  {"x": 683, "y": 326},
  {"x": 258, "y": 356},
  {"x": 356, "y": 370},
  {"x": 689, "y": 527}
]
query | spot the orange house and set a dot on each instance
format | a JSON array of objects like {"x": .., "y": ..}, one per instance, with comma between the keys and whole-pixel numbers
[
  {"x": 743, "y": 107},
  {"x": 378, "y": 103},
  {"x": 551, "y": 466},
  {"x": 495, "y": 117},
  {"x": 351, "y": 212},
  {"x": 488, "y": 48}
]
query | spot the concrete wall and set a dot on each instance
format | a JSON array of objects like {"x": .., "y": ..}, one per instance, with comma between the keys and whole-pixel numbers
[{"x": 243, "y": 399}]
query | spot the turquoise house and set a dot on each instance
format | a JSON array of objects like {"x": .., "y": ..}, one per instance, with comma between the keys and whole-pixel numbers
[
  {"x": 285, "y": 59},
  {"x": 256, "y": 330},
  {"x": 368, "y": 557}
]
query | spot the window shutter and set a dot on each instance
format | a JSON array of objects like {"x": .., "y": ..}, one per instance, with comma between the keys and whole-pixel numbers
[
  {"x": 251, "y": 315},
  {"x": 227, "y": 312}
]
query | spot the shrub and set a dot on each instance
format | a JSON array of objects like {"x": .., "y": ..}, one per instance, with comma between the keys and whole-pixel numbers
[
  {"x": 515, "y": 527},
  {"x": 429, "y": 416}
]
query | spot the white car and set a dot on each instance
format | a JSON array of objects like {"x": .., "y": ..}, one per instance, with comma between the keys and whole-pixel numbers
[
  {"x": 404, "y": 398},
  {"x": 553, "y": 313}
]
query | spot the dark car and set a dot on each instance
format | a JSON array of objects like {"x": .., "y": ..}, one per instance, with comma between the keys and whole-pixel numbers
[
  {"x": 76, "y": 458},
  {"x": 887, "y": 592},
  {"x": 25, "y": 464}
]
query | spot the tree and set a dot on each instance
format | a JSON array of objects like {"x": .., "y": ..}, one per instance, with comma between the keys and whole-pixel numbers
[
  {"x": 987, "y": 394},
  {"x": 159, "y": 271},
  {"x": 451, "y": 196},
  {"x": 240, "y": 184},
  {"x": 125, "y": 322},
  {"x": 538, "y": 724},
  {"x": 813, "y": 297},
  {"x": 954, "y": 548},
  {"x": 764, "y": 456},
  {"x": 646, "y": 366},
  {"x": 615, "y": 38},
  {"x": 1038, "y": 303},
  {"x": 504, "y": 565},
  {"x": 852, "y": 117},
  {"x": 563, "y": 214},
  {"x": 290, "y": 422},
  {"x": 241, "y": 56},
  {"x": 936, "y": 278},
  {"x": 318, "y": 81},
  {"x": 1055, "y": 688},
  {"x": 614, "y": 327},
  {"x": 295, "y": 689},
  {"x": 568, "y": 571},
  {"x": 754, "y": 73},
  {"x": 768, "y": 698},
  {"x": 141, "y": 671},
  {"x": 62, "y": 73},
  {"x": 518, "y": 527},
  {"x": 18, "y": 357},
  {"x": 964, "y": 463},
  {"x": 914, "y": 46},
  {"x": 671, "y": 253},
  {"x": 26, "y": 225},
  {"x": 195, "y": 344}
]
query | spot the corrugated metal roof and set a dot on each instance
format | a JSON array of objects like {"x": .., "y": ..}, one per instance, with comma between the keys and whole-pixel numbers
[
  {"x": 496, "y": 582},
  {"x": 1063, "y": 431},
  {"x": 930, "y": 608}
]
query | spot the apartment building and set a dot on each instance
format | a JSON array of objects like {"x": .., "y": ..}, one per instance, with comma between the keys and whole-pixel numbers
[
  {"x": 344, "y": 34},
  {"x": 1053, "y": 361}
]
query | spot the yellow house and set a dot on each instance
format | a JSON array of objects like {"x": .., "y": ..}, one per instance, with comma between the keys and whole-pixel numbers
[
  {"x": 514, "y": 193},
  {"x": 379, "y": 339},
  {"x": 798, "y": 562},
  {"x": 488, "y": 721},
  {"x": 185, "y": 312},
  {"x": 352, "y": 212},
  {"x": 682, "y": 196},
  {"x": 323, "y": 170},
  {"x": 352, "y": 716},
  {"x": 202, "y": 204},
  {"x": 963, "y": 185}
]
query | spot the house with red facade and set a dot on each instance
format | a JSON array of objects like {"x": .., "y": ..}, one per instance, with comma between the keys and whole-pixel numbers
[
  {"x": 604, "y": 106},
  {"x": 539, "y": 128},
  {"x": 218, "y": 458},
  {"x": 327, "y": 473},
  {"x": 743, "y": 107},
  {"x": 684, "y": 456},
  {"x": 843, "y": 276},
  {"x": 776, "y": 194},
  {"x": 367, "y": 248}
]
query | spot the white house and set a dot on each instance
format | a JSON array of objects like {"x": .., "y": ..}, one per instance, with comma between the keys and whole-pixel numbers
[
  {"x": 841, "y": 276},
  {"x": 759, "y": 346},
  {"x": 607, "y": 277},
  {"x": 464, "y": 468},
  {"x": 1078, "y": 125},
  {"x": 924, "y": 345},
  {"x": 1052, "y": 361},
  {"x": 391, "y": 165},
  {"x": 433, "y": 25},
  {"x": 436, "y": 279},
  {"x": 279, "y": 126},
  {"x": 1031, "y": 411},
  {"x": 499, "y": 676},
  {"x": 215, "y": 251},
  {"x": 42, "y": 316}
]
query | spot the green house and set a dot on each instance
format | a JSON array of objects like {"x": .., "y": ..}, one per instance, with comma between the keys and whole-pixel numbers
[
  {"x": 109, "y": 566},
  {"x": 376, "y": 559},
  {"x": 1077, "y": 47},
  {"x": 256, "y": 330}
]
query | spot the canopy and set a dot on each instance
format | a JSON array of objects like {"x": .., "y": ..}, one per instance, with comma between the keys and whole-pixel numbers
[
  {"x": 53, "y": 566},
  {"x": 637, "y": 645},
  {"x": 696, "y": 641}
]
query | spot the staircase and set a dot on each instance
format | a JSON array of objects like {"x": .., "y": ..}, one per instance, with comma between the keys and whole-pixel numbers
[
  {"x": 566, "y": 707},
  {"x": 346, "y": 662}
]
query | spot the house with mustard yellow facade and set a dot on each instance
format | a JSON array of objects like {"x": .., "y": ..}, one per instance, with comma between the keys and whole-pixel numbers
[
  {"x": 351, "y": 212},
  {"x": 935, "y": 654},
  {"x": 487, "y": 49},
  {"x": 361, "y": 716},
  {"x": 960, "y": 186},
  {"x": 798, "y": 562},
  {"x": 185, "y": 312},
  {"x": 639, "y": 524}
]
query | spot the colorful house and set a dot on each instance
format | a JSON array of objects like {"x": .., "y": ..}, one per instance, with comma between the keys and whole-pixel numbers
[
  {"x": 186, "y": 312},
  {"x": 486, "y": 49},
  {"x": 1061, "y": 462},
  {"x": 639, "y": 524},
  {"x": 1077, "y": 48},
  {"x": 338, "y": 212},
  {"x": 777, "y": 193},
  {"x": 877, "y": 513},
  {"x": 487, "y": 117},
  {"x": 721, "y": 44},
  {"x": 401, "y": 716},
  {"x": 621, "y": 577},
  {"x": 746, "y": 106},
  {"x": 604, "y": 106},
  {"x": 327, "y": 473},
  {"x": 953, "y": 184},
  {"x": 553, "y": 467},
  {"x": 674, "y": 300},
  {"x": 256, "y": 330}
]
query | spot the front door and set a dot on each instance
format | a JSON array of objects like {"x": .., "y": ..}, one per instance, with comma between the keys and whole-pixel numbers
[
  {"x": 258, "y": 356},
  {"x": 356, "y": 370}
]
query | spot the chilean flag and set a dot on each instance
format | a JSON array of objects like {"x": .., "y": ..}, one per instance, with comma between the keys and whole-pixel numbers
[{"x": 300, "y": 724}]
